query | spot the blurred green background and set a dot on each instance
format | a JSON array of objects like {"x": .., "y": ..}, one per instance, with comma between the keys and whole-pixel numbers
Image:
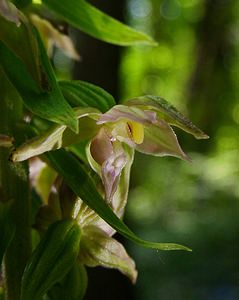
[{"x": 196, "y": 68}]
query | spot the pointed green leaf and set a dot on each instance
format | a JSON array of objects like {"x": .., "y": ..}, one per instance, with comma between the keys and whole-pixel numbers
[
  {"x": 48, "y": 104},
  {"x": 13, "y": 36},
  {"x": 52, "y": 259},
  {"x": 82, "y": 93},
  {"x": 82, "y": 185},
  {"x": 167, "y": 112},
  {"x": 89, "y": 19}
]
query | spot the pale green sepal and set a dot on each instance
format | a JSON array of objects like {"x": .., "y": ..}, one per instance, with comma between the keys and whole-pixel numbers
[
  {"x": 98, "y": 249},
  {"x": 59, "y": 136},
  {"x": 168, "y": 113}
]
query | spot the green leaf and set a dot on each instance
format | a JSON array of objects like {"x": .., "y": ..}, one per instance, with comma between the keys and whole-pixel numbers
[
  {"x": 48, "y": 104},
  {"x": 167, "y": 112},
  {"x": 52, "y": 259},
  {"x": 13, "y": 36},
  {"x": 7, "y": 228},
  {"x": 83, "y": 186},
  {"x": 72, "y": 287},
  {"x": 81, "y": 93},
  {"x": 89, "y": 19}
]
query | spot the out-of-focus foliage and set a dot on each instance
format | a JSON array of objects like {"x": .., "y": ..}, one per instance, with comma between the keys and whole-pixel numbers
[{"x": 196, "y": 67}]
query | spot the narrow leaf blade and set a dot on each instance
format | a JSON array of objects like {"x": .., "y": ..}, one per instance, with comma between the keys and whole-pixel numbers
[
  {"x": 89, "y": 19},
  {"x": 48, "y": 103}
]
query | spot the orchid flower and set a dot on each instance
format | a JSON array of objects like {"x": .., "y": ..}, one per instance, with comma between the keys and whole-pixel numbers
[
  {"x": 141, "y": 124},
  {"x": 97, "y": 246}
]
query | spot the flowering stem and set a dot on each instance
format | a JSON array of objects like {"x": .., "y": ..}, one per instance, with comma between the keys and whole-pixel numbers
[{"x": 14, "y": 187}]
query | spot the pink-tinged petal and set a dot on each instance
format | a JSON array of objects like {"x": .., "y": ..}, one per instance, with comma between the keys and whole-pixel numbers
[
  {"x": 97, "y": 249},
  {"x": 101, "y": 147},
  {"x": 111, "y": 171},
  {"x": 123, "y": 112},
  {"x": 120, "y": 197},
  {"x": 160, "y": 140},
  {"x": 167, "y": 112}
]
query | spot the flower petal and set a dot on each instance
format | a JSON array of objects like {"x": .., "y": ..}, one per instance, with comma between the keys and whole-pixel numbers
[
  {"x": 59, "y": 136},
  {"x": 120, "y": 197},
  {"x": 160, "y": 140},
  {"x": 97, "y": 249},
  {"x": 9, "y": 12},
  {"x": 52, "y": 37},
  {"x": 123, "y": 112},
  {"x": 111, "y": 170},
  {"x": 167, "y": 112},
  {"x": 101, "y": 147}
]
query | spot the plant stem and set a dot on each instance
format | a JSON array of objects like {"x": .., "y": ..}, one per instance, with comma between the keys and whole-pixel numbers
[{"x": 14, "y": 187}]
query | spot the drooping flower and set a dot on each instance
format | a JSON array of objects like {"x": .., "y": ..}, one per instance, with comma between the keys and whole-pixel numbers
[
  {"x": 142, "y": 124},
  {"x": 97, "y": 246}
]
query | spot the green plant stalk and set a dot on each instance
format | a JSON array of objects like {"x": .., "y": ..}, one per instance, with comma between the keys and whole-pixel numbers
[{"x": 14, "y": 187}]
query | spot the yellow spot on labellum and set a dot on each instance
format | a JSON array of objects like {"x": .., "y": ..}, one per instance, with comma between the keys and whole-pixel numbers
[{"x": 137, "y": 131}]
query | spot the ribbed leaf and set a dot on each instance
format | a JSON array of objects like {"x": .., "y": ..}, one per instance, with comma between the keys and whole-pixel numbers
[
  {"x": 81, "y": 93},
  {"x": 51, "y": 260},
  {"x": 48, "y": 104},
  {"x": 89, "y": 19},
  {"x": 82, "y": 184}
]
